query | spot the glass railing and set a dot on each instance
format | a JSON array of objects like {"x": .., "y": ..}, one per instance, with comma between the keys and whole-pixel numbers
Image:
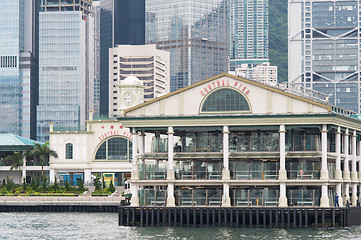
[
  {"x": 160, "y": 145},
  {"x": 254, "y": 197},
  {"x": 152, "y": 197},
  {"x": 198, "y": 170},
  {"x": 199, "y": 197},
  {"x": 303, "y": 197},
  {"x": 254, "y": 170}
]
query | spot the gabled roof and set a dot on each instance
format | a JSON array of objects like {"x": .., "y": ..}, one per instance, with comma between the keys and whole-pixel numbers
[
  {"x": 258, "y": 84},
  {"x": 11, "y": 142}
]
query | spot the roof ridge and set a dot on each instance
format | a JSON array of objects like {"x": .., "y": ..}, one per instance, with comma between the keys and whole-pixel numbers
[{"x": 15, "y": 137}]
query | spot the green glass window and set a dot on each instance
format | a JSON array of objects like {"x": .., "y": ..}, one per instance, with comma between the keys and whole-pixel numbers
[
  {"x": 117, "y": 148},
  {"x": 225, "y": 100},
  {"x": 69, "y": 151}
]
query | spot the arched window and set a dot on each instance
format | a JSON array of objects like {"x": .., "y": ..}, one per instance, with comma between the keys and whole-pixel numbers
[
  {"x": 69, "y": 151},
  {"x": 116, "y": 148},
  {"x": 225, "y": 100}
]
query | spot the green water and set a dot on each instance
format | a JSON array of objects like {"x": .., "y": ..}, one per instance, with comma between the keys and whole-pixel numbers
[{"x": 105, "y": 226}]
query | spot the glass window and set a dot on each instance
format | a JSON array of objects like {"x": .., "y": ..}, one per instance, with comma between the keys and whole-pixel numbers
[
  {"x": 69, "y": 151},
  {"x": 117, "y": 148},
  {"x": 225, "y": 100}
]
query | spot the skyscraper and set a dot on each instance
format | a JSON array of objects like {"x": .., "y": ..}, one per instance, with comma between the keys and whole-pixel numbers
[
  {"x": 18, "y": 66},
  {"x": 195, "y": 32},
  {"x": 64, "y": 75},
  {"x": 248, "y": 32},
  {"x": 324, "y": 49},
  {"x": 121, "y": 22}
]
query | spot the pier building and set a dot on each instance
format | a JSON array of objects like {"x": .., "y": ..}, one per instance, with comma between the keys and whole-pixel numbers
[{"x": 232, "y": 142}]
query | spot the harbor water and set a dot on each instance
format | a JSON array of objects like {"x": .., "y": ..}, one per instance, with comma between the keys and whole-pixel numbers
[{"x": 105, "y": 226}]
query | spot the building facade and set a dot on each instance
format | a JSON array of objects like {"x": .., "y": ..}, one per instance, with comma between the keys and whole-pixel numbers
[
  {"x": 65, "y": 89},
  {"x": 195, "y": 32},
  {"x": 228, "y": 141},
  {"x": 121, "y": 22},
  {"x": 324, "y": 49},
  {"x": 148, "y": 64},
  {"x": 248, "y": 42},
  {"x": 18, "y": 66},
  {"x": 263, "y": 73},
  {"x": 103, "y": 149}
]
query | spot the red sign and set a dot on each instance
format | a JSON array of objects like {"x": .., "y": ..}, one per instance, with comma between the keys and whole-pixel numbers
[
  {"x": 228, "y": 83},
  {"x": 116, "y": 133}
]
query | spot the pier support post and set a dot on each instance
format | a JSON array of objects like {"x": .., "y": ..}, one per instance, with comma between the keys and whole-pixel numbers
[
  {"x": 324, "y": 171},
  {"x": 225, "y": 173},
  {"x": 282, "y": 175},
  {"x": 134, "y": 201},
  {"x": 353, "y": 163},
  {"x": 282, "y": 202},
  {"x": 325, "y": 202},
  {"x": 346, "y": 171},
  {"x": 338, "y": 172}
]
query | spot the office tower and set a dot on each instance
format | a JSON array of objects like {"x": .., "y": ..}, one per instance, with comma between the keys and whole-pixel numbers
[
  {"x": 65, "y": 92},
  {"x": 95, "y": 13},
  {"x": 121, "y": 22},
  {"x": 18, "y": 66},
  {"x": 324, "y": 49},
  {"x": 195, "y": 32},
  {"x": 248, "y": 32},
  {"x": 148, "y": 64}
]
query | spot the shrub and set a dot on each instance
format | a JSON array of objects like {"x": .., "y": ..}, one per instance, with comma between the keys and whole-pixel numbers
[
  {"x": 111, "y": 187},
  {"x": 67, "y": 186},
  {"x": 81, "y": 185},
  {"x": 55, "y": 186},
  {"x": 44, "y": 188},
  {"x": 24, "y": 185}
]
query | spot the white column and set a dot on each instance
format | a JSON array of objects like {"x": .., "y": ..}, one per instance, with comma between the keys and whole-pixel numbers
[
  {"x": 134, "y": 201},
  {"x": 346, "y": 171},
  {"x": 353, "y": 163},
  {"x": 135, "y": 173},
  {"x": 88, "y": 177},
  {"x": 52, "y": 176},
  {"x": 324, "y": 171},
  {"x": 325, "y": 202},
  {"x": 141, "y": 141},
  {"x": 282, "y": 171},
  {"x": 282, "y": 202},
  {"x": 23, "y": 171},
  {"x": 226, "y": 200},
  {"x": 225, "y": 173},
  {"x": 134, "y": 189},
  {"x": 170, "y": 195},
  {"x": 354, "y": 195},
  {"x": 339, "y": 193},
  {"x": 338, "y": 172},
  {"x": 170, "y": 170}
]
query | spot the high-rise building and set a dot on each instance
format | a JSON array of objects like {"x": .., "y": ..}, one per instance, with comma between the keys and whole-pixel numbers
[
  {"x": 195, "y": 32},
  {"x": 95, "y": 13},
  {"x": 18, "y": 66},
  {"x": 263, "y": 73},
  {"x": 121, "y": 22},
  {"x": 324, "y": 49},
  {"x": 248, "y": 40},
  {"x": 148, "y": 64},
  {"x": 65, "y": 92}
]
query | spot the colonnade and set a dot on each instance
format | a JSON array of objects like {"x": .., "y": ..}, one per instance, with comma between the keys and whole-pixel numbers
[{"x": 342, "y": 180}]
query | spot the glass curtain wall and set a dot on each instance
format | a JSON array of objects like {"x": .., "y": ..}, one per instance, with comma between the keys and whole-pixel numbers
[
  {"x": 254, "y": 141},
  {"x": 303, "y": 139},
  {"x": 153, "y": 171},
  {"x": 303, "y": 169},
  {"x": 153, "y": 196}
]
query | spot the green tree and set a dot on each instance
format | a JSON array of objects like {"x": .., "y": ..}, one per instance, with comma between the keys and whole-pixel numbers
[
  {"x": 56, "y": 186},
  {"x": 24, "y": 185},
  {"x": 42, "y": 152},
  {"x": 44, "y": 187},
  {"x": 81, "y": 185},
  {"x": 17, "y": 160},
  {"x": 67, "y": 186},
  {"x": 97, "y": 185}
]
